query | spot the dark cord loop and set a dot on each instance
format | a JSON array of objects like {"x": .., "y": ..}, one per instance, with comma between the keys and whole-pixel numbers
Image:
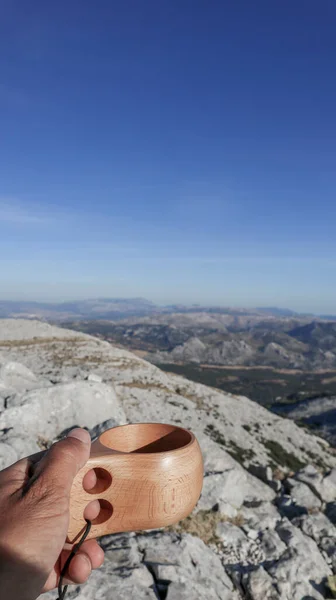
[{"x": 63, "y": 590}]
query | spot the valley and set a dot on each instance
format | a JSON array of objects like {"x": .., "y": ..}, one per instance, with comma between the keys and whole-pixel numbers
[
  {"x": 267, "y": 386},
  {"x": 283, "y": 362}
]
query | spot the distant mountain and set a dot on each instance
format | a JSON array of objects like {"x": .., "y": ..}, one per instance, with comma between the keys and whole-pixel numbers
[
  {"x": 278, "y": 312},
  {"x": 252, "y": 340},
  {"x": 124, "y": 308},
  {"x": 317, "y": 334},
  {"x": 99, "y": 308},
  {"x": 287, "y": 312},
  {"x": 328, "y": 317}
]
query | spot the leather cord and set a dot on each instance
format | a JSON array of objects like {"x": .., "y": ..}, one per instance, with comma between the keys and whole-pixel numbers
[{"x": 63, "y": 590}]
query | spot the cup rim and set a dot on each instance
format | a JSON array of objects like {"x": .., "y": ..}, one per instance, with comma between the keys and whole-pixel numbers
[{"x": 149, "y": 454}]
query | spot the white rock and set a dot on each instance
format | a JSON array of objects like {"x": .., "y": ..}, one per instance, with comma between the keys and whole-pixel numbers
[
  {"x": 48, "y": 412},
  {"x": 230, "y": 534},
  {"x": 29, "y": 329},
  {"x": 252, "y": 534},
  {"x": 95, "y": 378},
  {"x": 259, "y": 585},
  {"x": 15, "y": 376},
  {"x": 8, "y": 455},
  {"x": 234, "y": 486},
  {"x": 272, "y": 546},
  {"x": 318, "y": 527},
  {"x": 324, "y": 487},
  {"x": 215, "y": 458},
  {"x": 239, "y": 548},
  {"x": 302, "y": 494},
  {"x": 6, "y": 391},
  {"x": 301, "y": 570},
  {"x": 261, "y": 517},
  {"x": 224, "y": 487},
  {"x": 22, "y": 445},
  {"x": 312, "y": 477},
  {"x": 329, "y": 486},
  {"x": 187, "y": 563},
  {"x": 224, "y": 508}
]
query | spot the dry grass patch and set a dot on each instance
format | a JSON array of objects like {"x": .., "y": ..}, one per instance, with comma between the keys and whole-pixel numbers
[
  {"x": 67, "y": 356},
  {"x": 203, "y": 524},
  {"x": 328, "y": 380},
  {"x": 279, "y": 474},
  {"x": 38, "y": 341},
  {"x": 92, "y": 359},
  {"x": 200, "y": 404},
  {"x": 43, "y": 442},
  {"x": 124, "y": 366},
  {"x": 147, "y": 386}
]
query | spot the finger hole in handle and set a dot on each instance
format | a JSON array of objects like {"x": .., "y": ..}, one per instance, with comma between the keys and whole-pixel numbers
[
  {"x": 104, "y": 514},
  {"x": 97, "y": 480}
]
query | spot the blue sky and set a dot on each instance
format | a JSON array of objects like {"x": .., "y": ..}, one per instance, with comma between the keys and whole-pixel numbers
[{"x": 182, "y": 150}]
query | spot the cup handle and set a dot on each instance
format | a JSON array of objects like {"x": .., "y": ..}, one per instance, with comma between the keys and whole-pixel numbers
[{"x": 80, "y": 498}]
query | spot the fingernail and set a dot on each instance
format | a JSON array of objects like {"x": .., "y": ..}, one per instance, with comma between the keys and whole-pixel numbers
[
  {"x": 84, "y": 558},
  {"x": 80, "y": 568},
  {"x": 80, "y": 434}
]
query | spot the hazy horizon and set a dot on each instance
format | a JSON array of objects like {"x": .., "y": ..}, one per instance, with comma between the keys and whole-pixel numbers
[{"x": 161, "y": 304}]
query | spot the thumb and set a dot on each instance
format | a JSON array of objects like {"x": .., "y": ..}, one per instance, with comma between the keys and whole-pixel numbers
[{"x": 61, "y": 463}]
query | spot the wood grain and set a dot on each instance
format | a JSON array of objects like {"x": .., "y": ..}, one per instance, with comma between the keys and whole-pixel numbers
[{"x": 149, "y": 475}]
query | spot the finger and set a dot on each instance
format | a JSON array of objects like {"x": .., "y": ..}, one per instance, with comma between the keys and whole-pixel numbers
[
  {"x": 61, "y": 463},
  {"x": 92, "y": 510},
  {"x": 51, "y": 582},
  {"x": 89, "y": 480},
  {"x": 94, "y": 552},
  {"x": 90, "y": 554},
  {"x": 80, "y": 568}
]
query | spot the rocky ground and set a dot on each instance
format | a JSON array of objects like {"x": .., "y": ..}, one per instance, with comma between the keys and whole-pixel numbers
[
  {"x": 265, "y": 525},
  {"x": 318, "y": 413}
]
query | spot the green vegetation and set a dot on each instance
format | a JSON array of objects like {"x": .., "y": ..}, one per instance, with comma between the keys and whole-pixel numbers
[
  {"x": 317, "y": 461},
  {"x": 215, "y": 435},
  {"x": 238, "y": 453},
  {"x": 281, "y": 457},
  {"x": 265, "y": 386}
]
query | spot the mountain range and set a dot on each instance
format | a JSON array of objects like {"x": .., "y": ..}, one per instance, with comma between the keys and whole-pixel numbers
[
  {"x": 277, "y": 357},
  {"x": 224, "y": 339},
  {"x": 285, "y": 363},
  {"x": 119, "y": 308}
]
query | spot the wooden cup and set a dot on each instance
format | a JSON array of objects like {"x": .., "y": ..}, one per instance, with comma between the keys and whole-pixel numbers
[{"x": 149, "y": 475}]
